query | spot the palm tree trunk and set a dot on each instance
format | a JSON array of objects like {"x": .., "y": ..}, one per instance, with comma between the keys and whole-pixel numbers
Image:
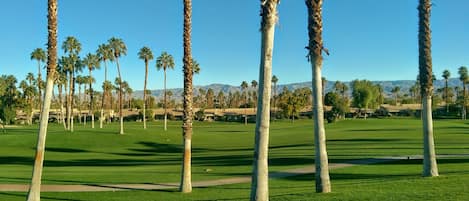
[
  {"x": 39, "y": 82},
  {"x": 186, "y": 183},
  {"x": 425, "y": 72},
  {"x": 165, "y": 103},
  {"x": 275, "y": 101},
  {"x": 69, "y": 103},
  {"x": 103, "y": 98},
  {"x": 322, "y": 167},
  {"x": 72, "y": 94},
  {"x": 446, "y": 96},
  {"x": 245, "y": 108},
  {"x": 315, "y": 47},
  {"x": 34, "y": 193},
  {"x": 30, "y": 115},
  {"x": 260, "y": 171},
  {"x": 65, "y": 99},
  {"x": 91, "y": 101},
  {"x": 463, "y": 115},
  {"x": 145, "y": 96},
  {"x": 120, "y": 99},
  {"x": 430, "y": 168},
  {"x": 79, "y": 105}
]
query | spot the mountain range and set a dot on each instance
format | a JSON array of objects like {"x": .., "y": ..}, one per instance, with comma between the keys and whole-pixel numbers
[{"x": 404, "y": 85}]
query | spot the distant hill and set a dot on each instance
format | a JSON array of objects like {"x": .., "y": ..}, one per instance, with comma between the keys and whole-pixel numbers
[{"x": 387, "y": 86}]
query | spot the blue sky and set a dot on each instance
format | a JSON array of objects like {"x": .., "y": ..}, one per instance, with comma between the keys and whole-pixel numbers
[{"x": 367, "y": 39}]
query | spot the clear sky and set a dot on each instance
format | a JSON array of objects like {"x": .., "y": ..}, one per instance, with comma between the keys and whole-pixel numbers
[{"x": 367, "y": 39}]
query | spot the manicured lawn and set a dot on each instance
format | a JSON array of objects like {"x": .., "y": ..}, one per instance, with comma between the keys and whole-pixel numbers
[{"x": 94, "y": 156}]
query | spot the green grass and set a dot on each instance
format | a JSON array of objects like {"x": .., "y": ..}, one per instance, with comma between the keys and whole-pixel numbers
[{"x": 94, "y": 156}]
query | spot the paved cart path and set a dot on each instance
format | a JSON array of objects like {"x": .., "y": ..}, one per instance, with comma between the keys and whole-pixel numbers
[{"x": 234, "y": 180}]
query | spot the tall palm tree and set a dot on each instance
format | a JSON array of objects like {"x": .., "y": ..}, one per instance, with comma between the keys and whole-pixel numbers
[
  {"x": 244, "y": 87},
  {"x": 464, "y": 77},
  {"x": 186, "y": 183},
  {"x": 446, "y": 75},
  {"x": 34, "y": 193},
  {"x": 92, "y": 62},
  {"x": 315, "y": 48},
  {"x": 165, "y": 61},
  {"x": 260, "y": 172},
  {"x": 430, "y": 168},
  {"x": 73, "y": 47},
  {"x": 104, "y": 53},
  {"x": 146, "y": 55},
  {"x": 40, "y": 56},
  {"x": 119, "y": 49}
]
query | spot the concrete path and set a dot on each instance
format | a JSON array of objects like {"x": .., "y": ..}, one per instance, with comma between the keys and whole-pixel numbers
[{"x": 235, "y": 180}]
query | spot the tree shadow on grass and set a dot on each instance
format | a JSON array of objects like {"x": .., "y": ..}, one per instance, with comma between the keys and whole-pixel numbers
[
  {"x": 86, "y": 162},
  {"x": 23, "y": 195},
  {"x": 364, "y": 140},
  {"x": 65, "y": 150},
  {"x": 382, "y": 129},
  {"x": 229, "y": 131},
  {"x": 420, "y": 161}
]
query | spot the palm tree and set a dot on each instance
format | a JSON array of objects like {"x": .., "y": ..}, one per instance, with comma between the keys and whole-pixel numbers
[
  {"x": 244, "y": 86},
  {"x": 104, "y": 53},
  {"x": 315, "y": 48},
  {"x": 274, "y": 80},
  {"x": 464, "y": 77},
  {"x": 430, "y": 168},
  {"x": 119, "y": 49},
  {"x": 165, "y": 61},
  {"x": 186, "y": 183},
  {"x": 260, "y": 172},
  {"x": 446, "y": 75},
  {"x": 34, "y": 193},
  {"x": 72, "y": 46},
  {"x": 146, "y": 55},
  {"x": 40, "y": 56},
  {"x": 92, "y": 62}
]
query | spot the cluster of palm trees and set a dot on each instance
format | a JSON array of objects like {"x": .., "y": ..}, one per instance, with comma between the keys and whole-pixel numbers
[
  {"x": 259, "y": 190},
  {"x": 70, "y": 65}
]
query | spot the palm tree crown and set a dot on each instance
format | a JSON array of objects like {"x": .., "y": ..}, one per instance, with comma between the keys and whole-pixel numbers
[
  {"x": 145, "y": 54},
  {"x": 71, "y": 45},
  {"x": 104, "y": 52},
  {"x": 165, "y": 61},
  {"x": 91, "y": 61},
  {"x": 446, "y": 74},
  {"x": 39, "y": 55},
  {"x": 117, "y": 47}
]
